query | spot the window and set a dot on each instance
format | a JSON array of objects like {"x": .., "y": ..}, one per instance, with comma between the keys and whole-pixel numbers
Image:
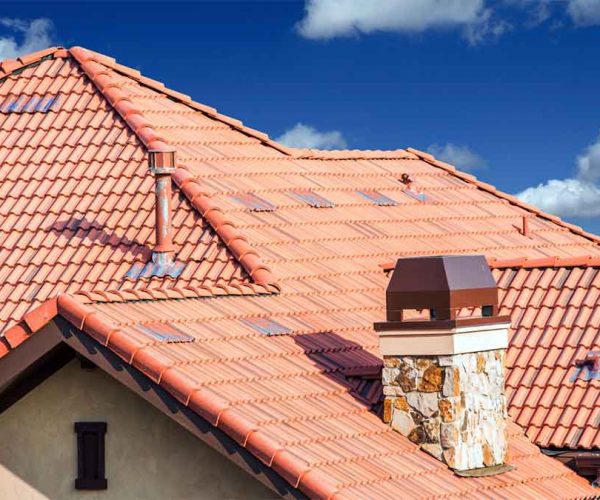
[{"x": 90, "y": 456}]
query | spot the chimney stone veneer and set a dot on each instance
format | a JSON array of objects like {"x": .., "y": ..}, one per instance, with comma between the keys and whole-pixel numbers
[{"x": 443, "y": 377}]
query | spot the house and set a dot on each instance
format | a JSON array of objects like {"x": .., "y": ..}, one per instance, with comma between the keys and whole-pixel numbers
[{"x": 187, "y": 307}]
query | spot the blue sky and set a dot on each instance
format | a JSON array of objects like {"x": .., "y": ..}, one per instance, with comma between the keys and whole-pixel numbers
[{"x": 509, "y": 89}]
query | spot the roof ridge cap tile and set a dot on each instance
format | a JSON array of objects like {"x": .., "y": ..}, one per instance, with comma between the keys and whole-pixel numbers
[
  {"x": 247, "y": 256},
  {"x": 527, "y": 263},
  {"x": 354, "y": 154},
  {"x": 185, "y": 99},
  {"x": 544, "y": 262},
  {"x": 428, "y": 158},
  {"x": 8, "y": 66},
  {"x": 186, "y": 292},
  {"x": 94, "y": 66}
]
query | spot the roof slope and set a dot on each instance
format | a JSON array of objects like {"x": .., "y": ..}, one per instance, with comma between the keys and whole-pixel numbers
[
  {"x": 298, "y": 401},
  {"x": 555, "y": 315},
  {"x": 78, "y": 203},
  {"x": 306, "y": 392}
]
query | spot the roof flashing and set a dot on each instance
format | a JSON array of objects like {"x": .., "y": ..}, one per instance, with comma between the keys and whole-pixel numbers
[
  {"x": 267, "y": 326},
  {"x": 254, "y": 203},
  {"x": 165, "y": 333},
  {"x": 377, "y": 198},
  {"x": 30, "y": 104},
  {"x": 415, "y": 195},
  {"x": 313, "y": 199},
  {"x": 158, "y": 269}
]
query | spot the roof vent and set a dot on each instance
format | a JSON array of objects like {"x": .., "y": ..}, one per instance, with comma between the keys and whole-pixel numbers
[
  {"x": 162, "y": 165},
  {"x": 525, "y": 226},
  {"x": 407, "y": 180},
  {"x": 588, "y": 366}
]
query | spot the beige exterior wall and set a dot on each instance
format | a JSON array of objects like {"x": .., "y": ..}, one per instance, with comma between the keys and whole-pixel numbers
[{"x": 148, "y": 456}]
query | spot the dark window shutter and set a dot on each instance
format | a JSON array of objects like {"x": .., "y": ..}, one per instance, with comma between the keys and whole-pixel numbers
[{"x": 90, "y": 456}]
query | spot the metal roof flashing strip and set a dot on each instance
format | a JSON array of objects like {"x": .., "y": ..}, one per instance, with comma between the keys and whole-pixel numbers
[
  {"x": 377, "y": 198},
  {"x": 165, "y": 333},
  {"x": 158, "y": 269},
  {"x": 254, "y": 203},
  {"x": 267, "y": 326},
  {"x": 33, "y": 104},
  {"x": 313, "y": 199}
]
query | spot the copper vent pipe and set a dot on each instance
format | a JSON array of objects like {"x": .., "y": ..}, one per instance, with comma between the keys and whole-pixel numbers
[
  {"x": 525, "y": 230},
  {"x": 162, "y": 165}
]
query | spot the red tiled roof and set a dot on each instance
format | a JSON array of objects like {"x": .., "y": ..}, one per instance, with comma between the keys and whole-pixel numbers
[
  {"x": 79, "y": 213},
  {"x": 78, "y": 205},
  {"x": 555, "y": 315},
  {"x": 291, "y": 399}
]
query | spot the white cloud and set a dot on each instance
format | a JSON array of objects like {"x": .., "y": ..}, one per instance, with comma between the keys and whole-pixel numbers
[
  {"x": 326, "y": 19},
  {"x": 567, "y": 197},
  {"x": 305, "y": 136},
  {"x": 588, "y": 164},
  {"x": 584, "y": 12},
  {"x": 460, "y": 156},
  {"x": 477, "y": 20},
  {"x": 35, "y": 35},
  {"x": 486, "y": 27},
  {"x": 578, "y": 196}
]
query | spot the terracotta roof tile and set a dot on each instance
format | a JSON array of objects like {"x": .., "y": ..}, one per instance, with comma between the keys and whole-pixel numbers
[
  {"x": 79, "y": 213},
  {"x": 299, "y": 403},
  {"x": 570, "y": 331}
]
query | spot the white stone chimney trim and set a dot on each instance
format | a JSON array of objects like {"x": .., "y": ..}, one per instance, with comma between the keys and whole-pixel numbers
[{"x": 433, "y": 342}]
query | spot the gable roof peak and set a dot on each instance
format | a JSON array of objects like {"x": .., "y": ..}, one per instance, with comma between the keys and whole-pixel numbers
[{"x": 91, "y": 64}]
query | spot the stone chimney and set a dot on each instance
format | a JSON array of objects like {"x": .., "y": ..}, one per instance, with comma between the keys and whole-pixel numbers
[
  {"x": 443, "y": 375},
  {"x": 162, "y": 165}
]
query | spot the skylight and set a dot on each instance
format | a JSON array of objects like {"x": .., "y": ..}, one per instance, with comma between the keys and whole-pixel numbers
[{"x": 377, "y": 198}]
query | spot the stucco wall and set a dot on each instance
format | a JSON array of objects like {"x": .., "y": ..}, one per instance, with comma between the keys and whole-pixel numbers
[{"x": 148, "y": 456}]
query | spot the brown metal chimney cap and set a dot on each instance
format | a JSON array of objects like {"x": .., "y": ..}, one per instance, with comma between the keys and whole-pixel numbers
[{"x": 441, "y": 282}]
